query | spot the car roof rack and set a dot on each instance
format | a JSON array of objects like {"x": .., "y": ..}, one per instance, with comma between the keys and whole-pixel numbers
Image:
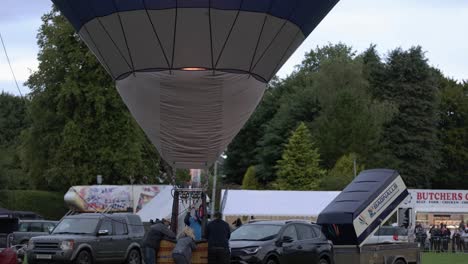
[
  {"x": 259, "y": 220},
  {"x": 297, "y": 220}
]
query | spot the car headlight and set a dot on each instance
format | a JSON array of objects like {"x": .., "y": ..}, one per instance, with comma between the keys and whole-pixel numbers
[
  {"x": 251, "y": 250},
  {"x": 31, "y": 244},
  {"x": 67, "y": 245}
]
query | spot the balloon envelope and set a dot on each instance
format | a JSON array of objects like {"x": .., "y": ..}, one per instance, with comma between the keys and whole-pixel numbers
[{"x": 193, "y": 71}]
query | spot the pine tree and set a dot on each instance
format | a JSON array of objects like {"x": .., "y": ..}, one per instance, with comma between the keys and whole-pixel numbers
[
  {"x": 299, "y": 167},
  {"x": 409, "y": 141},
  {"x": 250, "y": 181}
]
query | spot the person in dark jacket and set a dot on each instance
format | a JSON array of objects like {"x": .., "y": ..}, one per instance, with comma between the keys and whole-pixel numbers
[
  {"x": 182, "y": 253},
  {"x": 237, "y": 223},
  {"x": 218, "y": 233},
  {"x": 153, "y": 237}
]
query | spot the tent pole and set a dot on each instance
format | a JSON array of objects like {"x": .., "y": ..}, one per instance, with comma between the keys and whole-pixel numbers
[
  {"x": 213, "y": 194},
  {"x": 205, "y": 216},
  {"x": 175, "y": 212}
]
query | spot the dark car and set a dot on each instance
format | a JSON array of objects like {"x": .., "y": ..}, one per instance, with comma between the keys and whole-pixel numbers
[
  {"x": 278, "y": 242},
  {"x": 30, "y": 228},
  {"x": 90, "y": 238}
]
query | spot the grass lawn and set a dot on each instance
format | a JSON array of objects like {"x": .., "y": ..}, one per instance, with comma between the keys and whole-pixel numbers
[{"x": 444, "y": 258}]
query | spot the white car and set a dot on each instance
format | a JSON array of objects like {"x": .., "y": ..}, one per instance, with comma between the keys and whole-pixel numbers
[{"x": 389, "y": 234}]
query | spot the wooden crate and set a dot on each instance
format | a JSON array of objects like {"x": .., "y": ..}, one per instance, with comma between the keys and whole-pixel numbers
[{"x": 199, "y": 256}]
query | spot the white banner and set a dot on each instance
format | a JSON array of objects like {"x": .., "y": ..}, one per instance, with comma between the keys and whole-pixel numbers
[{"x": 378, "y": 206}]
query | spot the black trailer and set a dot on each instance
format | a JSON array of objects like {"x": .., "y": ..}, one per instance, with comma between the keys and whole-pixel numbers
[{"x": 358, "y": 212}]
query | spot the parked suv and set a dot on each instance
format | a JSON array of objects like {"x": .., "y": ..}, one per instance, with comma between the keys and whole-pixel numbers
[
  {"x": 90, "y": 238},
  {"x": 30, "y": 228},
  {"x": 278, "y": 242}
]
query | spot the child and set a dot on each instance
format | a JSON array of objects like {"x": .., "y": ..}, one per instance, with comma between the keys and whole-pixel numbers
[
  {"x": 193, "y": 220},
  {"x": 182, "y": 253}
]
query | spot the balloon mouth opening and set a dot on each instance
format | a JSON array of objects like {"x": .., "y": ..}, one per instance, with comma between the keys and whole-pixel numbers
[{"x": 194, "y": 69}]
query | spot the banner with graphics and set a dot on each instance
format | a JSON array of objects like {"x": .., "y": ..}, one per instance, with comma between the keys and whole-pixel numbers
[
  {"x": 112, "y": 198},
  {"x": 380, "y": 209}
]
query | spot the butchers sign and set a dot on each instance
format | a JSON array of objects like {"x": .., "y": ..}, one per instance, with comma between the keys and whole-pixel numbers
[{"x": 438, "y": 197}]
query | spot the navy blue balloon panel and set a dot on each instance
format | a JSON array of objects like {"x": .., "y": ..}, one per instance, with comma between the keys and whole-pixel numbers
[{"x": 254, "y": 37}]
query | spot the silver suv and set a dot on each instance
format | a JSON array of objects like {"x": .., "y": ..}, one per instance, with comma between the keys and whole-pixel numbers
[
  {"x": 30, "y": 228},
  {"x": 90, "y": 238}
]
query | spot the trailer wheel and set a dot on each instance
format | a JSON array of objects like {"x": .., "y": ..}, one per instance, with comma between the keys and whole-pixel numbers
[
  {"x": 323, "y": 261},
  {"x": 271, "y": 261},
  {"x": 399, "y": 261}
]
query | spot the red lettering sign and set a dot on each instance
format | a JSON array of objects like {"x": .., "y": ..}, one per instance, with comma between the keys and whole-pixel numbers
[{"x": 441, "y": 196}]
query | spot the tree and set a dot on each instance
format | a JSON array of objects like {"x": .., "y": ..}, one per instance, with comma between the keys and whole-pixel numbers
[
  {"x": 409, "y": 141},
  {"x": 350, "y": 120},
  {"x": 13, "y": 120},
  {"x": 250, "y": 181},
  {"x": 297, "y": 103},
  {"x": 242, "y": 150},
  {"x": 79, "y": 125},
  {"x": 299, "y": 167},
  {"x": 342, "y": 173},
  {"x": 296, "y": 107},
  {"x": 453, "y": 134},
  {"x": 183, "y": 176}
]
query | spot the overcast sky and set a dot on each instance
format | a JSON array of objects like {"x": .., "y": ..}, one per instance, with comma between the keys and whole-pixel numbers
[{"x": 439, "y": 26}]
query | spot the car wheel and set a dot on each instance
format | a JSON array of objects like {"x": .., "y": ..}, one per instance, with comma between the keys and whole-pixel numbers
[
  {"x": 134, "y": 257},
  {"x": 323, "y": 261},
  {"x": 399, "y": 261},
  {"x": 84, "y": 257},
  {"x": 272, "y": 261}
]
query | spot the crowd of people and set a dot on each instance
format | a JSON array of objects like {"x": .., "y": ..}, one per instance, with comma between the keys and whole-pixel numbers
[
  {"x": 217, "y": 234},
  {"x": 439, "y": 238}
]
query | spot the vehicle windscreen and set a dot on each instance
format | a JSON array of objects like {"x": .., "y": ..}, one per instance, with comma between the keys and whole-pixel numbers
[
  {"x": 76, "y": 226},
  {"x": 257, "y": 232},
  {"x": 390, "y": 231}
]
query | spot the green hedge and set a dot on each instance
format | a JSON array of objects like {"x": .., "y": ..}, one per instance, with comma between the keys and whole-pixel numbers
[{"x": 48, "y": 204}]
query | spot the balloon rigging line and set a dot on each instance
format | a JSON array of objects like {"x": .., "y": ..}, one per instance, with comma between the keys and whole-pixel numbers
[
  {"x": 11, "y": 68},
  {"x": 175, "y": 34},
  {"x": 230, "y": 32},
  {"x": 277, "y": 34},
  {"x": 104, "y": 62},
  {"x": 260, "y": 35},
  {"x": 110, "y": 37},
  {"x": 125, "y": 37},
  {"x": 284, "y": 54},
  {"x": 211, "y": 37},
  {"x": 156, "y": 33},
  {"x": 115, "y": 44}
]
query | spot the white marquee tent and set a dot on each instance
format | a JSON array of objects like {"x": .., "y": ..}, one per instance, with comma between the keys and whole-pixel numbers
[{"x": 275, "y": 204}]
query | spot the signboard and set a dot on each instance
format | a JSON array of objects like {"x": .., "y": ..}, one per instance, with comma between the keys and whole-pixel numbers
[
  {"x": 113, "y": 198},
  {"x": 438, "y": 200},
  {"x": 382, "y": 207}
]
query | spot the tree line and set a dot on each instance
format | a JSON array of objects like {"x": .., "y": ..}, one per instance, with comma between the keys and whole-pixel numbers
[
  {"x": 338, "y": 108},
  {"x": 345, "y": 111}
]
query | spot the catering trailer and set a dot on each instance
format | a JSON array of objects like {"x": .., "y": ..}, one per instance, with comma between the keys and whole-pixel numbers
[{"x": 359, "y": 211}]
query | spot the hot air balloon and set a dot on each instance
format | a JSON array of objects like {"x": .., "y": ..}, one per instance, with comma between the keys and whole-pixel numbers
[{"x": 192, "y": 72}]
